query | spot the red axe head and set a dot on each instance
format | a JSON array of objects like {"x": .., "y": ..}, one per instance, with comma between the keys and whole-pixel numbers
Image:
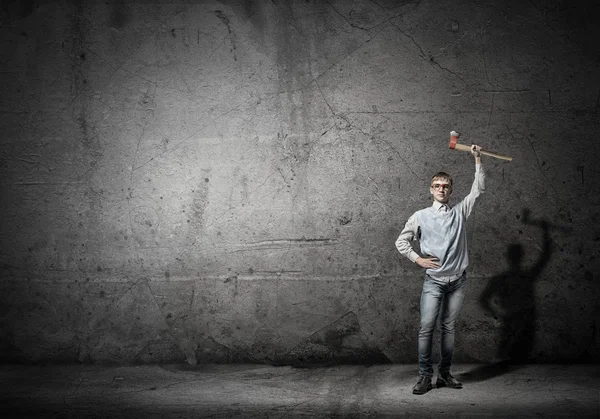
[{"x": 453, "y": 138}]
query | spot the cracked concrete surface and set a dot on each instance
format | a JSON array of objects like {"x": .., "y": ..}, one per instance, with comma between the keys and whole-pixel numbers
[
  {"x": 253, "y": 391},
  {"x": 224, "y": 181}
]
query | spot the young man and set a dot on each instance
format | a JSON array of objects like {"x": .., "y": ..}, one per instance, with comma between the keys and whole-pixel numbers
[{"x": 441, "y": 233}]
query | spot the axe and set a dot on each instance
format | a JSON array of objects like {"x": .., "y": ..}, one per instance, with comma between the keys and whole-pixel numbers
[{"x": 455, "y": 146}]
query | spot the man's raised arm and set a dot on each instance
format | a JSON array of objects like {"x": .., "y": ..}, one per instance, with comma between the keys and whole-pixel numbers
[{"x": 478, "y": 186}]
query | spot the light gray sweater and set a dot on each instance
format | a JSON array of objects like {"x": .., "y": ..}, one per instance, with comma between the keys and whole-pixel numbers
[{"x": 441, "y": 232}]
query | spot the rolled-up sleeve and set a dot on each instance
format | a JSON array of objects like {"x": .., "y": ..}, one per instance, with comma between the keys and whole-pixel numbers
[{"x": 406, "y": 236}]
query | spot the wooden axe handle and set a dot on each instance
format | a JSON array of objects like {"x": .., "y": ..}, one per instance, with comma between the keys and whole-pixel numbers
[
  {"x": 496, "y": 155},
  {"x": 463, "y": 147}
]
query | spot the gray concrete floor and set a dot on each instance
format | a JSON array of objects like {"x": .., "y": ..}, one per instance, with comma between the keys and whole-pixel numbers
[{"x": 259, "y": 391}]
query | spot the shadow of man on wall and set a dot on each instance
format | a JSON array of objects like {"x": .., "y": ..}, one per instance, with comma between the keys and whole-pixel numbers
[{"x": 510, "y": 299}]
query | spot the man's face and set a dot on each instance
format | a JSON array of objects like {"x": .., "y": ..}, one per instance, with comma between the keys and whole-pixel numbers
[{"x": 441, "y": 190}]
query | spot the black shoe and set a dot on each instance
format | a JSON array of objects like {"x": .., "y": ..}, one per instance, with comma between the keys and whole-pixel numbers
[
  {"x": 423, "y": 385},
  {"x": 447, "y": 380}
]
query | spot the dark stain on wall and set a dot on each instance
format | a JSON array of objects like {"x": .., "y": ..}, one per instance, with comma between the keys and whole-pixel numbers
[
  {"x": 18, "y": 9},
  {"x": 340, "y": 341},
  {"x": 120, "y": 15}
]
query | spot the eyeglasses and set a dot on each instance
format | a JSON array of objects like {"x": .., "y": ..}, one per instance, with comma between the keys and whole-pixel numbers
[{"x": 444, "y": 186}]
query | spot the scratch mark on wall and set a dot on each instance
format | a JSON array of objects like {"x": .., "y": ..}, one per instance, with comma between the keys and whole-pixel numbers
[
  {"x": 337, "y": 62},
  {"x": 504, "y": 91},
  {"x": 581, "y": 169},
  {"x": 487, "y": 75},
  {"x": 398, "y": 4},
  {"x": 385, "y": 206},
  {"x": 225, "y": 21},
  {"x": 435, "y": 63},
  {"x": 192, "y": 299},
  {"x": 209, "y": 57},
  {"x": 354, "y": 25},
  {"x": 487, "y": 129},
  {"x": 432, "y": 59},
  {"x": 422, "y": 55},
  {"x": 276, "y": 244},
  {"x": 43, "y": 183},
  {"x": 294, "y": 20},
  {"x": 300, "y": 240}
]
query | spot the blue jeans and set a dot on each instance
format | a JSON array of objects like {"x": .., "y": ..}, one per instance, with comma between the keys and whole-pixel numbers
[{"x": 436, "y": 296}]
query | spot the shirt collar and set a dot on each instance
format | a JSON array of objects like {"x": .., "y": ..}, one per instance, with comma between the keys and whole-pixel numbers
[{"x": 438, "y": 206}]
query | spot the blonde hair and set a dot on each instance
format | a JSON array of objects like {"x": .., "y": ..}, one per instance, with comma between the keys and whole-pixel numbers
[{"x": 442, "y": 176}]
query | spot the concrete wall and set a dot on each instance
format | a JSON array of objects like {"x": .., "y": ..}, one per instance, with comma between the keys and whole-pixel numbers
[{"x": 225, "y": 181}]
